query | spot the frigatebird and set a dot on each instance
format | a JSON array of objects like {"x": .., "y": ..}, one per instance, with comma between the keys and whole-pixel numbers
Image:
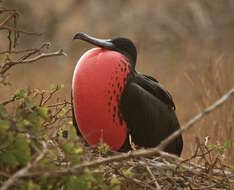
[{"x": 112, "y": 102}]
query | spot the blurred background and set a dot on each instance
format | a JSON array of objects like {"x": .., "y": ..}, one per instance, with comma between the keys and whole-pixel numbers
[{"x": 187, "y": 45}]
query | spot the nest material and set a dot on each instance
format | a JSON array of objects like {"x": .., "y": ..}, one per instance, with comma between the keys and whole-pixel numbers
[{"x": 164, "y": 173}]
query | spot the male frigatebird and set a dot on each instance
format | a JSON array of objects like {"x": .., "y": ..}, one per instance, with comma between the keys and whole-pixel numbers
[{"x": 112, "y": 101}]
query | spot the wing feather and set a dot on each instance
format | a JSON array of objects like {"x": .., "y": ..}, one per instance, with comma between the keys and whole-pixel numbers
[
  {"x": 155, "y": 88},
  {"x": 149, "y": 119}
]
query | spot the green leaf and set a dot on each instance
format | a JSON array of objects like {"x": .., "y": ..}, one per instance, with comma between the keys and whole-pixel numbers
[
  {"x": 68, "y": 148},
  {"x": 7, "y": 57},
  {"x": 72, "y": 133},
  {"x": 17, "y": 153},
  {"x": 29, "y": 103},
  {"x": 227, "y": 144},
  {"x": 75, "y": 159},
  {"x": 60, "y": 133},
  {"x": 53, "y": 87},
  {"x": 115, "y": 181},
  {"x": 20, "y": 93},
  {"x": 116, "y": 187},
  {"x": 103, "y": 148},
  {"x": 127, "y": 172},
  {"x": 34, "y": 119},
  {"x": 21, "y": 149},
  {"x": 43, "y": 112},
  {"x": 26, "y": 122},
  {"x": 73, "y": 182},
  {"x": 33, "y": 186},
  {"x": 63, "y": 112},
  {"x": 3, "y": 111},
  {"x": 78, "y": 150},
  {"x": 88, "y": 175},
  {"x": 8, "y": 159},
  {"x": 4, "y": 126}
]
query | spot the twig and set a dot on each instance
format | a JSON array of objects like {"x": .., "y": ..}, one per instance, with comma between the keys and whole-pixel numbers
[
  {"x": 8, "y": 101},
  {"x": 8, "y": 65},
  {"x": 33, "y": 52},
  {"x": 197, "y": 118},
  {"x": 153, "y": 177},
  {"x": 50, "y": 96},
  {"x": 134, "y": 180},
  {"x": 19, "y": 30},
  {"x": 24, "y": 170},
  {"x": 4, "y": 174},
  {"x": 9, "y": 17},
  {"x": 91, "y": 164},
  {"x": 204, "y": 188},
  {"x": 17, "y": 51},
  {"x": 59, "y": 104}
]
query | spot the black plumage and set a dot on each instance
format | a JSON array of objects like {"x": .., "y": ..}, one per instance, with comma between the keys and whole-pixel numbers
[{"x": 145, "y": 105}]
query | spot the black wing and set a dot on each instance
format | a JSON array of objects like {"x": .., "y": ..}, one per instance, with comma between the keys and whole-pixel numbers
[
  {"x": 145, "y": 109},
  {"x": 155, "y": 88}
]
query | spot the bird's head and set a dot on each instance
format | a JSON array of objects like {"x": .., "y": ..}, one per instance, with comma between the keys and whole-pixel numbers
[{"x": 119, "y": 44}]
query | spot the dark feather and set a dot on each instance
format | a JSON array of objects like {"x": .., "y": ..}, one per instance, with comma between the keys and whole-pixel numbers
[
  {"x": 155, "y": 88},
  {"x": 145, "y": 109}
]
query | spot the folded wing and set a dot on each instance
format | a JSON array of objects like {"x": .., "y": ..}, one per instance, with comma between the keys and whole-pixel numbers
[{"x": 149, "y": 112}]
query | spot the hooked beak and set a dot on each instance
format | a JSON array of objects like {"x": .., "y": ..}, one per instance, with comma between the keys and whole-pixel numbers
[{"x": 103, "y": 43}]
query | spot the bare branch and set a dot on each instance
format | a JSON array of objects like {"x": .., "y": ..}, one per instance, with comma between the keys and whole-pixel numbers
[
  {"x": 116, "y": 158},
  {"x": 50, "y": 96},
  {"x": 59, "y": 104},
  {"x": 197, "y": 118},
  {"x": 8, "y": 65},
  {"x": 33, "y": 52},
  {"x": 19, "y": 30},
  {"x": 9, "y": 17},
  {"x": 17, "y": 51},
  {"x": 8, "y": 101},
  {"x": 41, "y": 56}
]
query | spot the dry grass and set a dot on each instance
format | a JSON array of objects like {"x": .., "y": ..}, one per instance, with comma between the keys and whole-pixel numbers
[{"x": 211, "y": 82}]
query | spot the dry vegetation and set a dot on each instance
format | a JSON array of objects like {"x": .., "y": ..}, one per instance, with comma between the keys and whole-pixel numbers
[
  {"x": 194, "y": 60},
  {"x": 215, "y": 79}
]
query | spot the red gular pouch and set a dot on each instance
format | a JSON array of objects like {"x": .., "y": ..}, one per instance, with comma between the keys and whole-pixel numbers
[{"x": 98, "y": 82}]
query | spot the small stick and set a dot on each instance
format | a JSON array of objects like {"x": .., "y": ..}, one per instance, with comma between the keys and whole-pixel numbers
[{"x": 153, "y": 177}]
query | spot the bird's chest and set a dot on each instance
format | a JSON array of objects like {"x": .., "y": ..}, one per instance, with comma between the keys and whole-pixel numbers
[{"x": 98, "y": 82}]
